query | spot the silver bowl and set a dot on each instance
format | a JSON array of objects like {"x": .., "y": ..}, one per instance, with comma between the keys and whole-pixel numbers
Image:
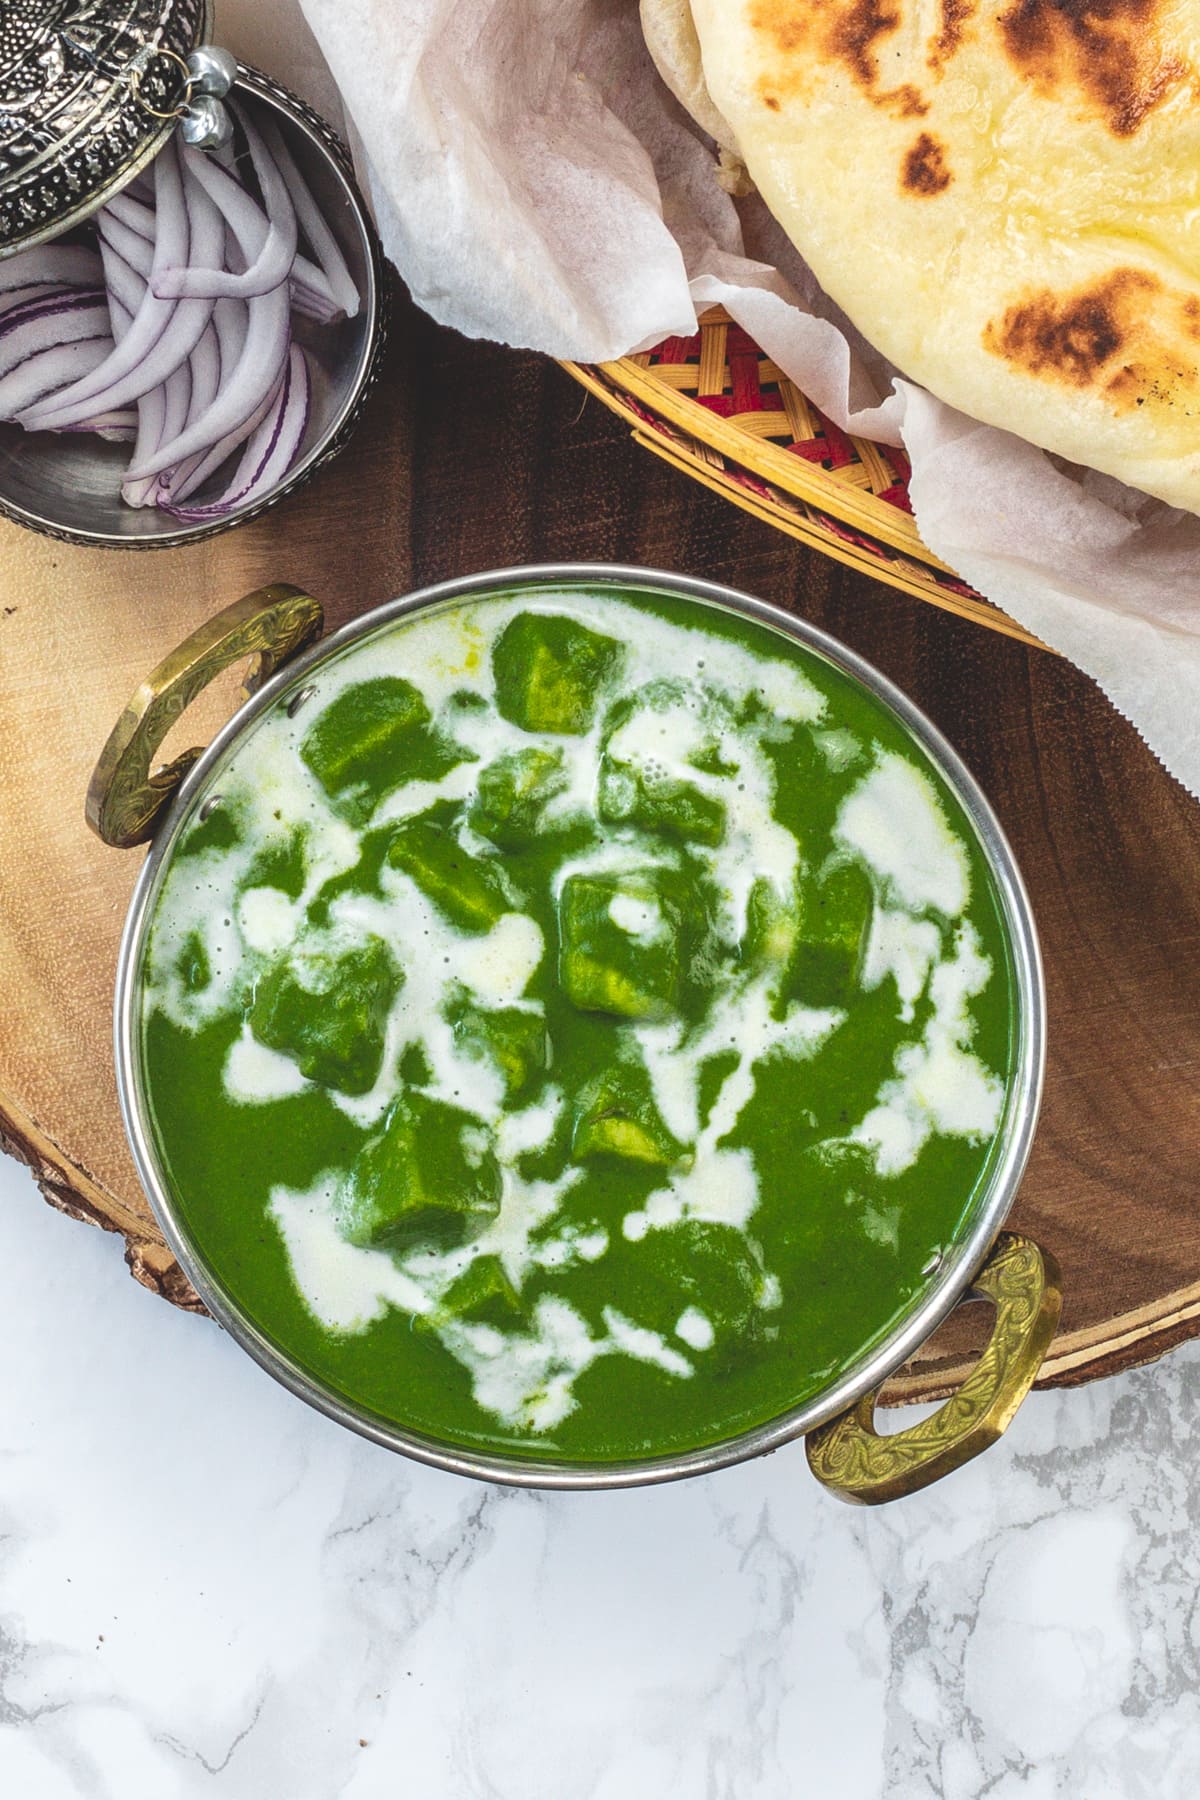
[
  {"x": 68, "y": 485},
  {"x": 128, "y": 806}
]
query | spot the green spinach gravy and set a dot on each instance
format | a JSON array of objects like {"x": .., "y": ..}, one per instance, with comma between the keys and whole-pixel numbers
[{"x": 579, "y": 1025}]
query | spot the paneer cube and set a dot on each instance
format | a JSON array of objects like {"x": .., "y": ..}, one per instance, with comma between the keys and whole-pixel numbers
[
  {"x": 513, "y": 1039},
  {"x": 772, "y": 928},
  {"x": 631, "y": 795},
  {"x": 482, "y": 1294},
  {"x": 512, "y": 795},
  {"x": 549, "y": 670},
  {"x": 838, "y": 909},
  {"x": 623, "y": 940},
  {"x": 652, "y": 739},
  {"x": 325, "y": 1004},
  {"x": 616, "y": 1115},
  {"x": 703, "y": 1267},
  {"x": 363, "y": 743},
  {"x": 813, "y": 941},
  {"x": 430, "y": 1177},
  {"x": 468, "y": 890}
]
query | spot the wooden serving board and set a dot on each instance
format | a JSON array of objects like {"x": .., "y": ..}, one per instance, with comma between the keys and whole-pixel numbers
[{"x": 472, "y": 457}]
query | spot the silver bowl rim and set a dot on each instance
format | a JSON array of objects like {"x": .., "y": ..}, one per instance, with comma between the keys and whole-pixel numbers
[
  {"x": 375, "y": 320},
  {"x": 962, "y": 1259}
]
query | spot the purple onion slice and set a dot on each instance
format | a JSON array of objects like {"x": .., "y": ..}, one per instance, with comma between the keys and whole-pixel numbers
[
  {"x": 270, "y": 452},
  {"x": 164, "y": 332},
  {"x": 273, "y": 224},
  {"x": 321, "y": 240},
  {"x": 52, "y": 265},
  {"x": 49, "y": 370},
  {"x": 251, "y": 380},
  {"x": 50, "y": 324}
]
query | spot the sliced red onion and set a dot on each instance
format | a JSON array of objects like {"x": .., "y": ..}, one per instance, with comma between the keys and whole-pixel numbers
[
  {"x": 40, "y": 301},
  {"x": 248, "y": 383},
  {"x": 46, "y": 301},
  {"x": 52, "y": 265},
  {"x": 314, "y": 281},
  {"x": 48, "y": 323},
  {"x": 230, "y": 325},
  {"x": 178, "y": 390},
  {"x": 205, "y": 368},
  {"x": 205, "y": 365},
  {"x": 231, "y": 322},
  {"x": 47, "y": 371},
  {"x": 135, "y": 215},
  {"x": 321, "y": 240},
  {"x": 164, "y": 332},
  {"x": 189, "y": 476},
  {"x": 270, "y": 452},
  {"x": 274, "y": 224},
  {"x": 37, "y": 290},
  {"x": 192, "y": 475},
  {"x": 134, "y": 250},
  {"x": 311, "y": 296},
  {"x": 162, "y": 414},
  {"x": 126, "y": 289},
  {"x": 151, "y": 412},
  {"x": 185, "y": 311},
  {"x": 118, "y": 427}
]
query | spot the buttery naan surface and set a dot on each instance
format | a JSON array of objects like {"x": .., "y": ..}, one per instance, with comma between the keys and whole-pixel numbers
[{"x": 1004, "y": 199}]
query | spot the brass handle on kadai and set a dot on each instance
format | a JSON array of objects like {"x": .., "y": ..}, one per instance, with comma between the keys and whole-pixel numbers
[
  {"x": 127, "y": 795},
  {"x": 857, "y": 1464}
]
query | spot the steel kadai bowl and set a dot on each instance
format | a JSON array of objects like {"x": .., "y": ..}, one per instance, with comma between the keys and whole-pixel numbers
[
  {"x": 130, "y": 802},
  {"x": 99, "y": 88}
]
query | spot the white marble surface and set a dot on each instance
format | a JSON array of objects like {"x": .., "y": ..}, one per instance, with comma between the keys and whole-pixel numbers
[{"x": 208, "y": 1590}]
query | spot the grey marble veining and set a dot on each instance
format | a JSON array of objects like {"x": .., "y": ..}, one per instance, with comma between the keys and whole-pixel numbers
[{"x": 207, "y": 1590}]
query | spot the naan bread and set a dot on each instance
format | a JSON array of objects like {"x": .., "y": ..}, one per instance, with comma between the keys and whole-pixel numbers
[
  {"x": 1004, "y": 199},
  {"x": 670, "y": 34}
]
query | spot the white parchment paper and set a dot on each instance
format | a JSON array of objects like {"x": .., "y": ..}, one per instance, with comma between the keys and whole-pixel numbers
[{"x": 536, "y": 184}]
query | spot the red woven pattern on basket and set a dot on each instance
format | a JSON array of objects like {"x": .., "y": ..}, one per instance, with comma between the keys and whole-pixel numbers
[
  {"x": 832, "y": 526},
  {"x": 745, "y": 389},
  {"x": 677, "y": 350},
  {"x": 832, "y": 447}
]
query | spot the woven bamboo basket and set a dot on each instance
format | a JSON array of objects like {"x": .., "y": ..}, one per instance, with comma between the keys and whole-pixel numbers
[{"x": 717, "y": 407}]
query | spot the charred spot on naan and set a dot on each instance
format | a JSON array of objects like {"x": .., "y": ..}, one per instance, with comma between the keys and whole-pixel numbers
[
  {"x": 1108, "y": 50},
  {"x": 956, "y": 15},
  {"x": 1125, "y": 337},
  {"x": 846, "y": 31},
  {"x": 925, "y": 171}
]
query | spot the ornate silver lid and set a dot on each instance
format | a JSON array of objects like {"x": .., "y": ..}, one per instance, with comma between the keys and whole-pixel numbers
[{"x": 89, "y": 91}]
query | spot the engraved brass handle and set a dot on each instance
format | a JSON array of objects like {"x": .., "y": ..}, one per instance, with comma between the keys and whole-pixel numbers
[
  {"x": 127, "y": 796},
  {"x": 851, "y": 1458}
]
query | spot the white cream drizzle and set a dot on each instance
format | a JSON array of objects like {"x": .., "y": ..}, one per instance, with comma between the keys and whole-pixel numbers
[
  {"x": 355, "y": 1286},
  {"x": 268, "y": 920},
  {"x": 892, "y": 822},
  {"x": 527, "y": 1379},
  {"x": 254, "y": 1073},
  {"x": 720, "y": 1186},
  {"x": 638, "y": 918},
  {"x": 939, "y": 1084},
  {"x": 695, "y": 1329}
]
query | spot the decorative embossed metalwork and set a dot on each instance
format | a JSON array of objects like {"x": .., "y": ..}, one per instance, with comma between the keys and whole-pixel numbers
[
  {"x": 127, "y": 797},
  {"x": 80, "y": 84},
  {"x": 853, "y": 1460}
]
